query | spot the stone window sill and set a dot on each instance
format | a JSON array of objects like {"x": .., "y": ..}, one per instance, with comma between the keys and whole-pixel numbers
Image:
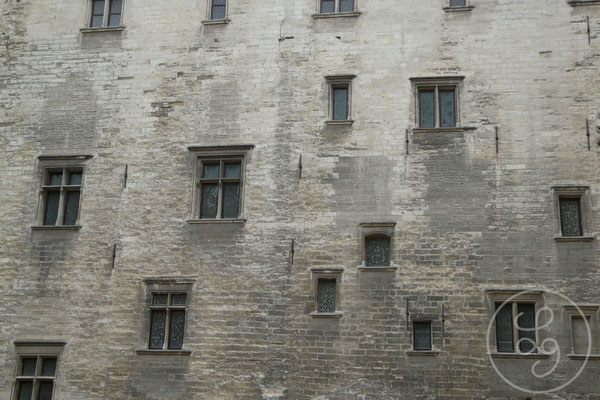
[
  {"x": 574, "y": 238},
  {"x": 163, "y": 352},
  {"x": 56, "y": 227},
  {"x": 425, "y": 353},
  {"x": 458, "y": 9},
  {"x": 336, "y": 314},
  {"x": 389, "y": 268},
  {"x": 352, "y": 14},
  {"x": 523, "y": 356},
  {"x": 583, "y": 356},
  {"x": 338, "y": 122},
  {"x": 441, "y": 130},
  {"x": 576, "y": 3},
  {"x": 217, "y": 221},
  {"x": 215, "y": 21},
  {"x": 102, "y": 29}
]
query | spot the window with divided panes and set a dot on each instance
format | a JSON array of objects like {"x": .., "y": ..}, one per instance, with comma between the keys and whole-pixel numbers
[
  {"x": 520, "y": 338},
  {"x": 570, "y": 216},
  {"x": 336, "y": 6},
  {"x": 437, "y": 107},
  {"x": 218, "y": 9},
  {"x": 377, "y": 251},
  {"x": 220, "y": 186},
  {"x": 35, "y": 377},
  {"x": 422, "y": 335},
  {"x": 326, "y": 296},
  {"x": 106, "y": 13},
  {"x": 167, "y": 321},
  {"x": 61, "y": 190}
]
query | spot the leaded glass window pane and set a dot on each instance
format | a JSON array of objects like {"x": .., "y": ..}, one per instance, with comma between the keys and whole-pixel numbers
[
  {"x": 231, "y": 200},
  {"x": 176, "y": 328},
  {"x": 526, "y": 327},
  {"x": 340, "y": 104},
  {"x": 45, "y": 390},
  {"x": 209, "y": 197},
  {"x": 49, "y": 367},
  {"x": 218, "y": 12},
  {"x": 447, "y": 108},
  {"x": 232, "y": 170},
  {"x": 114, "y": 20},
  {"x": 52, "y": 201},
  {"x": 179, "y": 299},
  {"x": 28, "y": 366},
  {"x": 326, "y": 296},
  {"x": 427, "y": 108},
  {"x": 75, "y": 178},
  {"x": 157, "y": 329},
  {"x": 327, "y": 6},
  {"x": 115, "y": 7},
  {"x": 422, "y": 335},
  {"x": 504, "y": 329},
  {"x": 160, "y": 299},
  {"x": 72, "y": 208},
  {"x": 570, "y": 216},
  {"x": 55, "y": 179},
  {"x": 346, "y": 5},
  {"x": 458, "y": 3},
  {"x": 377, "y": 251},
  {"x": 211, "y": 171},
  {"x": 98, "y": 8},
  {"x": 25, "y": 390}
]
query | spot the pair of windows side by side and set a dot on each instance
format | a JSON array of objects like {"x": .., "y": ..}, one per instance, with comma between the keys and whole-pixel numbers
[
  {"x": 336, "y": 6},
  {"x": 60, "y": 196},
  {"x": 106, "y": 13}
]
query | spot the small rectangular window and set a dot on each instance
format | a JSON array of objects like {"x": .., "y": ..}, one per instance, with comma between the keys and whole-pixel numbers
[
  {"x": 340, "y": 103},
  {"x": 167, "y": 321},
  {"x": 377, "y": 251},
  {"x": 340, "y": 98},
  {"x": 61, "y": 195},
  {"x": 422, "y": 335},
  {"x": 326, "y": 296},
  {"x": 106, "y": 13},
  {"x": 458, "y": 3},
  {"x": 220, "y": 188},
  {"x": 218, "y": 9},
  {"x": 336, "y": 6},
  {"x": 570, "y": 216}
]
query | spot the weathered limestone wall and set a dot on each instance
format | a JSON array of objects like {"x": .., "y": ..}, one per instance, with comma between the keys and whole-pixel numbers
[{"x": 467, "y": 219}]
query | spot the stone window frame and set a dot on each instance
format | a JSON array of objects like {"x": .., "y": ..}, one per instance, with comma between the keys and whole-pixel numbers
[
  {"x": 88, "y": 18},
  {"x": 575, "y": 3},
  {"x": 47, "y": 164},
  {"x": 336, "y": 14},
  {"x": 227, "y": 152},
  {"x": 178, "y": 285},
  {"x": 449, "y": 7},
  {"x": 590, "y": 311},
  {"x": 373, "y": 229},
  {"x": 209, "y": 14},
  {"x": 498, "y": 297},
  {"x": 334, "y": 81},
  {"x": 325, "y": 273},
  {"x": 40, "y": 349},
  {"x": 437, "y": 83},
  {"x": 581, "y": 192}
]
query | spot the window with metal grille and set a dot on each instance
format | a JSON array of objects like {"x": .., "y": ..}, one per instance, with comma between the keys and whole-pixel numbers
[
  {"x": 35, "y": 377},
  {"x": 218, "y": 9},
  {"x": 61, "y": 195},
  {"x": 106, "y": 13},
  {"x": 167, "y": 320},
  {"x": 422, "y": 335},
  {"x": 326, "y": 296},
  {"x": 220, "y": 186},
  {"x": 524, "y": 333},
  {"x": 334, "y": 6},
  {"x": 437, "y": 107},
  {"x": 570, "y": 216},
  {"x": 377, "y": 251}
]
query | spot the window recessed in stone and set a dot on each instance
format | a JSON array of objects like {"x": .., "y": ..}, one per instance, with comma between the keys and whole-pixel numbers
[
  {"x": 106, "y": 13},
  {"x": 377, "y": 251},
  {"x": 457, "y": 3},
  {"x": 524, "y": 333},
  {"x": 581, "y": 334},
  {"x": 340, "y": 97},
  {"x": 220, "y": 188},
  {"x": 218, "y": 9},
  {"x": 422, "y": 336},
  {"x": 326, "y": 297},
  {"x": 36, "y": 370},
  {"x": 336, "y": 6},
  {"x": 61, "y": 196},
  {"x": 437, "y": 102},
  {"x": 570, "y": 216},
  {"x": 167, "y": 321}
]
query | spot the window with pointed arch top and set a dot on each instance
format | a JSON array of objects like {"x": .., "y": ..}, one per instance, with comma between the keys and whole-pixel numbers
[{"x": 377, "y": 251}]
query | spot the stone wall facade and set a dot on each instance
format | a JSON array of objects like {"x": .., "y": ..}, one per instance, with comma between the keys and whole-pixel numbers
[{"x": 468, "y": 219}]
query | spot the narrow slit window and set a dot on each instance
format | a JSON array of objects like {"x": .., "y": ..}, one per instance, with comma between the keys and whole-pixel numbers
[
  {"x": 422, "y": 335},
  {"x": 504, "y": 328},
  {"x": 447, "y": 108},
  {"x": 526, "y": 328},
  {"x": 570, "y": 216},
  {"x": 326, "y": 296}
]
